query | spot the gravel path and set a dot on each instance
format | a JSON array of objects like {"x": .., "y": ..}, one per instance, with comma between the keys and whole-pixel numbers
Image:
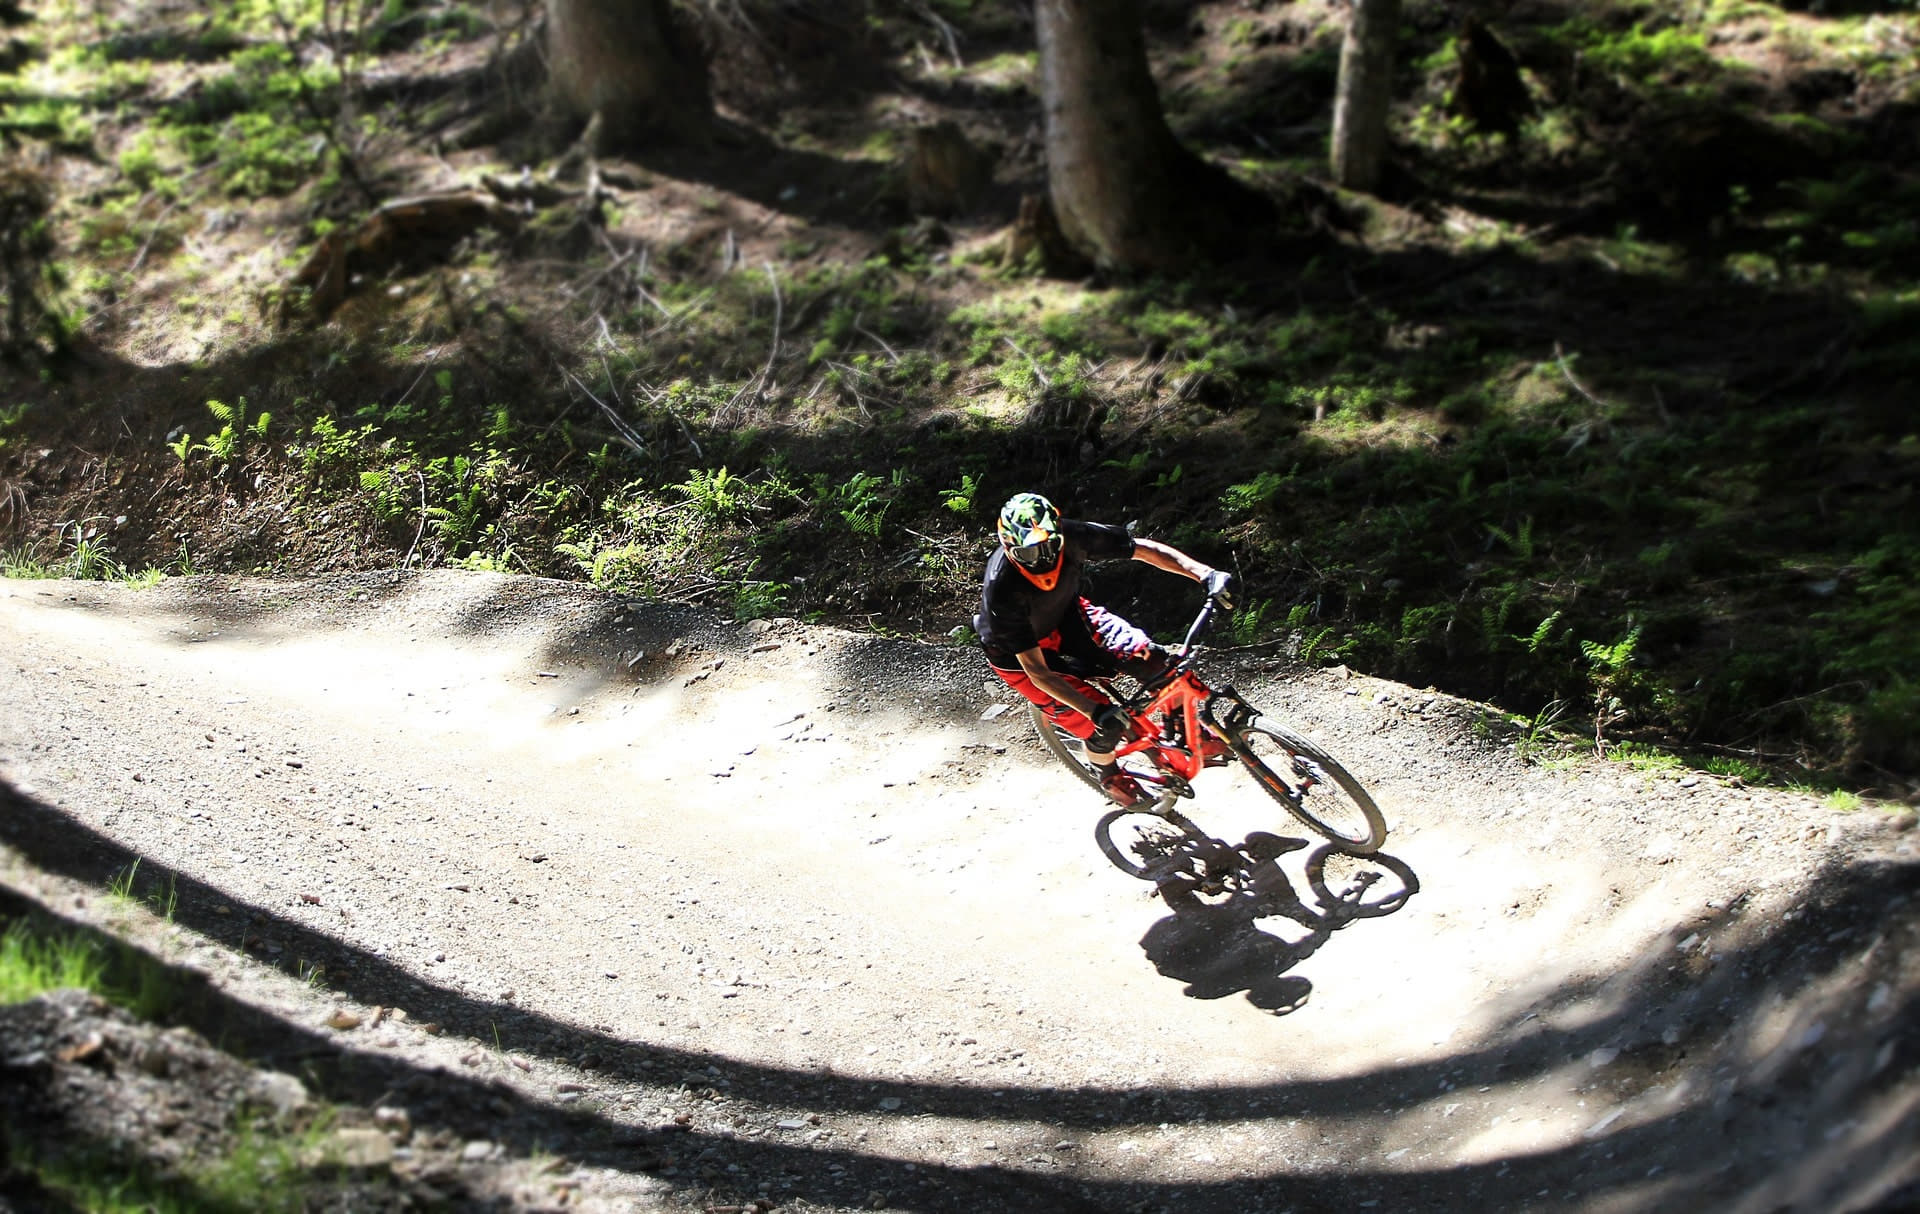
[{"x": 695, "y": 913}]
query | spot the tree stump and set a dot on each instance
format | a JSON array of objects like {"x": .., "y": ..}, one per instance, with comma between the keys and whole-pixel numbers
[
  {"x": 1491, "y": 96},
  {"x": 946, "y": 174}
]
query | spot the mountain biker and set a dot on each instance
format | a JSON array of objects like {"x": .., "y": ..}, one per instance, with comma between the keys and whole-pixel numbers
[{"x": 1040, "y": 635}]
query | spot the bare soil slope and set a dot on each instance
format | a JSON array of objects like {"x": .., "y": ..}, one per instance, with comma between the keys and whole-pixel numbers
[{"x": 731, "y": 913}]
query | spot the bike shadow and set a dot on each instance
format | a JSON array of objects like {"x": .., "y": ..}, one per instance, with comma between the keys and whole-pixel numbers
[{"x": 1214, "y": 942}]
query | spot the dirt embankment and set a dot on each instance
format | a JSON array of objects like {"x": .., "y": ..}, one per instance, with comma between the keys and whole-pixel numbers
[{"x": 624, "y": 905}]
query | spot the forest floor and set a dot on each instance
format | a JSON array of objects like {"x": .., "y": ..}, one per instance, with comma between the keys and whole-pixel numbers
[
  {"x": 561, "y": 900},
  {"x": 1604, "y": 418}
]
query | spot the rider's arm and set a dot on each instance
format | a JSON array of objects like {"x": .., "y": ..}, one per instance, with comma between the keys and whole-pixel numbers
[
  {"x": 1034, "y": 662},
  {"x": 1169, "y": 558}
]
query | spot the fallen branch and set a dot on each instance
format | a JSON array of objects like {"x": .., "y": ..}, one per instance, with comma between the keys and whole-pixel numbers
[
  {"x": 141, "y": 256},
  {"x": 394, "y": 229},
  {"x": 622, "y": 430},
  {"x": 868, "y": 333},
  {"x": 1567, "y": 370},
  {"x": 406, "y": 561},
  {"x": 759, "y": 382}
]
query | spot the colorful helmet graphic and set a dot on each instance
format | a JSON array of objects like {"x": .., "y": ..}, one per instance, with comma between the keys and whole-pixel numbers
[{"x": 1030, "y": 532}]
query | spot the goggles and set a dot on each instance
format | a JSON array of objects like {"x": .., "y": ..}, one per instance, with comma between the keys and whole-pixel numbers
[{"x": 1039, "y": 556}]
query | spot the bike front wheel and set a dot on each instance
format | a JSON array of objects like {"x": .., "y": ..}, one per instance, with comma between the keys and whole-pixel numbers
[{"x": 1311, "y": 784}]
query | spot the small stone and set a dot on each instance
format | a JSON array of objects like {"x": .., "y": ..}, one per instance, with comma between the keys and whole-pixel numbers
[
  {"x": 393, "y": 1120},
  {"x": 360, "y": 1148},
  {"x": 477, "y": 1151},
  {"x": 281, "y": 1092},
  {"x": 343, "y": 1021}
]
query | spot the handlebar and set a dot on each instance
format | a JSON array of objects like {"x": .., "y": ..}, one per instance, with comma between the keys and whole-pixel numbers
[{"x": 1189, "y": 650}]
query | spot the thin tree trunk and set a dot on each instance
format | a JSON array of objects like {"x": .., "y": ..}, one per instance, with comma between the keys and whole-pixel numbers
[
  {"x": 1361, "y": 98},
  {"x": 627, "y": 61},
  {"x": 1119, "y": 180}
]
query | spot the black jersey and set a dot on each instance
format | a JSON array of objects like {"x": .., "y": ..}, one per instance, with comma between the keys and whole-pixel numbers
[{"x": 1015, "y": 614}]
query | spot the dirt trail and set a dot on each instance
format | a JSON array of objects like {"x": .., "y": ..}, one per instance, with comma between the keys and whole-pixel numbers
[{"x": 785, "y": 892}]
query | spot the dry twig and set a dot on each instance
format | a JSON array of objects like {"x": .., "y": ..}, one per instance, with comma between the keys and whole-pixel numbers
[
  {"x": 406, "y": 562},
  {"x": 757, "y": 385},
  {"x": 1566, "y": 369},
  {"x": 622, "y": 430}
]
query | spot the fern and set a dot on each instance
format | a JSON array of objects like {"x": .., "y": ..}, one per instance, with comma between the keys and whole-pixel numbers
[
  {"x": 1521, "y": 541},
  {"x": 960, "y": 500},
  {"x": 718, "y": 494},
  {"x": 1608, "y": 661},
  {"x": 1541, "y": 634}
]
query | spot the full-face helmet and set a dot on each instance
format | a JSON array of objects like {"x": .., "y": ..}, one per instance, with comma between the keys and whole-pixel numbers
[{"x": 1030, "y": 532}]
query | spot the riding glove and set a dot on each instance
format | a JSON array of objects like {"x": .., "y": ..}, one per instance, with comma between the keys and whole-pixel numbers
[
  {"x": 1109, "y": 726},
  {"x": 1219, "y": 585}
]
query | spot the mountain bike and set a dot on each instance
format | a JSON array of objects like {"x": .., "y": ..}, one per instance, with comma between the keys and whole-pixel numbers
[{"x": 1179, "y": 726}]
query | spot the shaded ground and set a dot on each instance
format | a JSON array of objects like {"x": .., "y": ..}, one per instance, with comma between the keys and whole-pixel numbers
[{"x": 720, "y": 913}]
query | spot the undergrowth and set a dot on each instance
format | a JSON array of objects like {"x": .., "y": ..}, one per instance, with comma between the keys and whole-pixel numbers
[{"x": 1642, "y": 465}]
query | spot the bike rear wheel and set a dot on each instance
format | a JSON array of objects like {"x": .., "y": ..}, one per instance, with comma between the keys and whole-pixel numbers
[
  {"x": 1073, "y": 752},
  {"x": 1311, "y": 784},
  {"x": 1147, "y": 845}
]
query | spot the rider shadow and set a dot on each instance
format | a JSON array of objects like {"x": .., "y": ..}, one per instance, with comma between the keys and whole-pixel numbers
[{"x": 1213, "y": 940}]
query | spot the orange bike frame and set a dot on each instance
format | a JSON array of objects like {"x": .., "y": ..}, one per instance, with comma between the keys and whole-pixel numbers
[{"x": 1182, "y": 697}]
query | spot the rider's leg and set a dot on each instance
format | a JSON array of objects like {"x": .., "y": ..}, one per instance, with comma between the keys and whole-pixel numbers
[
  {"x": 1076, "y": 723},
  {"x": 1120, "y": 786},
  {"x": 1102, "y": 639}
]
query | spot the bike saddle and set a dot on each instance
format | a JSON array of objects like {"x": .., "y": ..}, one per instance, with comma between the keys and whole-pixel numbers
[{"x": 1261, "y": 845}]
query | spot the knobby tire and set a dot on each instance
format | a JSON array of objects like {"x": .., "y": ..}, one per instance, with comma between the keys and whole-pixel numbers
[
  {"x": 1148, "y": 845},
  {"x": 1359, "y": 837},
  {"x": 1056, "y": 742}
]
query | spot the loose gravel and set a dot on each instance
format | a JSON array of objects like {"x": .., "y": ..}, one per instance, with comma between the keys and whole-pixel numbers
[{"x": 571, "y": 902}]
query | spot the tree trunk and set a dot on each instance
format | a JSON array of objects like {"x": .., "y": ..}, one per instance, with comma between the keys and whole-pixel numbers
[
  {"x": 1122, "y": 185},
  {"x": 1360, "y": 100},
  {"x": 627, "y": 61}
]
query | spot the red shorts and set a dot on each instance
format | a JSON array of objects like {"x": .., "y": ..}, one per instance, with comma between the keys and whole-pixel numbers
[{"x": 1077, "y": 724}]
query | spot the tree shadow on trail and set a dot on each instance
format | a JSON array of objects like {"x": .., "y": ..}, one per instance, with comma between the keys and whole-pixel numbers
[
  {"x": 1709, "y": 1095},
  {"x": 1213, "y": 940}
]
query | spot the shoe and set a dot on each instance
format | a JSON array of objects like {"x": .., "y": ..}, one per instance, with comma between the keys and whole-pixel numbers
[{"x": 1124, "y": 789}]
